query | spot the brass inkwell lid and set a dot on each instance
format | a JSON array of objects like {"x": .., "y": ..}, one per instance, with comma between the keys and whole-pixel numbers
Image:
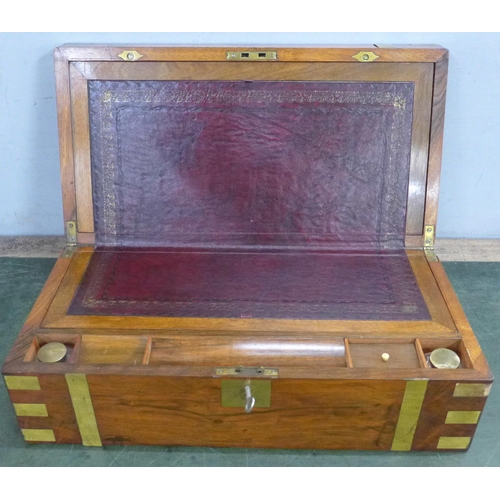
[
  {"x": 444, "y": 358},
  {"x": 52, "y": 352}
]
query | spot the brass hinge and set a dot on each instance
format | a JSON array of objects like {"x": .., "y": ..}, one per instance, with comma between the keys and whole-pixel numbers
[
  {"x": 71, "y": 232},
  {"x": 257, "y": 55},
  {"x": 68, "y": 252},
  {"x": 429, "y": 238}
]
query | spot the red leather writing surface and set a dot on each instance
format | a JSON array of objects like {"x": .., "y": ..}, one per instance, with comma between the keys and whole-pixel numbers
[
  {"x": 250, "y": 164},
  {"x": 298, "y": 285},
  {"x": 269, "y": 199}
]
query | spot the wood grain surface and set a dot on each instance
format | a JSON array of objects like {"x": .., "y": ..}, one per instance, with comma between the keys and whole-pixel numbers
[
  {"x": 166, "y": 411},
  {"x": 339, "y": 53},
  {"x": 65, "y": 124},
  {"x": 81, "y": 151},
  {"x": 436, "y": 140}
]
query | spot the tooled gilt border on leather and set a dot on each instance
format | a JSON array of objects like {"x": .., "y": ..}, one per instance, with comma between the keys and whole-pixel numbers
[
  {"x": 110, "y": 99},
  {"x": 406, "y": 304}
]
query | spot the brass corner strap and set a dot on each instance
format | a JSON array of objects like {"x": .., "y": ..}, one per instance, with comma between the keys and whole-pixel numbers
[
  {"x": 84, "y": 409},
  {"x": 409, "y": 414}
]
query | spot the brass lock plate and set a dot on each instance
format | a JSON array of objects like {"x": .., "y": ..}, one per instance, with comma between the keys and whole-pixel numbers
[
  {"x": 233, "y": 393},
  {"x": 255, "y": 55}
]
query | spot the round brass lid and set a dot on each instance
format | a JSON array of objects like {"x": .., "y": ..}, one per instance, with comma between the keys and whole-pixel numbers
[
  {"x": 444, "y": 358},
  {"x": 52, "y": 352}
]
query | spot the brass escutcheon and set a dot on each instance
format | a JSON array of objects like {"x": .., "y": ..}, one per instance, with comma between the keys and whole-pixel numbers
[
  {"x": 130, "y": 55},
  {"x": 365, "y": 56}
]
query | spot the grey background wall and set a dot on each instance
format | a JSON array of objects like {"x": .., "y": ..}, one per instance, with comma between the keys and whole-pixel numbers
[{"x": 30, "y": 193}]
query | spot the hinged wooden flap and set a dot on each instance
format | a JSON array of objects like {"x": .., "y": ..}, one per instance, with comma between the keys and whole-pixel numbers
[{"x": 310, "y": 149}]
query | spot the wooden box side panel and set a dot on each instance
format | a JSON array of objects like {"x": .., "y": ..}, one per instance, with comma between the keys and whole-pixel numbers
[{"x": 303, "y": 414}]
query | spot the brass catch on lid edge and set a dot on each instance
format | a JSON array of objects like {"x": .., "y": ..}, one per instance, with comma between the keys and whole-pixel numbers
[
  {"x": 256, "y": 55},
  {"x": 244, "y": 371}
]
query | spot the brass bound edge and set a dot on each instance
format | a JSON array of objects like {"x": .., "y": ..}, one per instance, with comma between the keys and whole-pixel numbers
[
  {"x": 84, "y": 410},
  {"x": 409, "y": 414},
  {"x": 40, "y": 435},
  {"x": 453, "y": 443},
  {"x": 22, "y": 383},
  {"x": 462, "y": 417},
  {"x": 466, "y": 390},
  {"x": 30, "y": 410}
]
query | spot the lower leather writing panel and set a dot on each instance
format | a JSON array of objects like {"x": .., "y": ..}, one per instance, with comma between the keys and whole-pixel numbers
[{"x": 296, "y": 285}]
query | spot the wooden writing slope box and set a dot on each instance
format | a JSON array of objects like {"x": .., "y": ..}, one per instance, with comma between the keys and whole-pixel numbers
[{"x": 250, "y": 255}]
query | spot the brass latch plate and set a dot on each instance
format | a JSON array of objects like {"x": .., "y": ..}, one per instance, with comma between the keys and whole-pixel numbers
[
  {"x": 233, "y": 393},
  {"x": 256, "y": 55}
]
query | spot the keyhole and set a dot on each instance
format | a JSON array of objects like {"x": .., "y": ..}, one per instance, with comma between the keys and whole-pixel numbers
[{"x": 250, "y": 400}]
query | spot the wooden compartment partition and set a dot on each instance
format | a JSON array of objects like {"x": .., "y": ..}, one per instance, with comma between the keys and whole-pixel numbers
[
  {"x": 231, "y": 279},
  {"x": 213, "y": 351}
]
